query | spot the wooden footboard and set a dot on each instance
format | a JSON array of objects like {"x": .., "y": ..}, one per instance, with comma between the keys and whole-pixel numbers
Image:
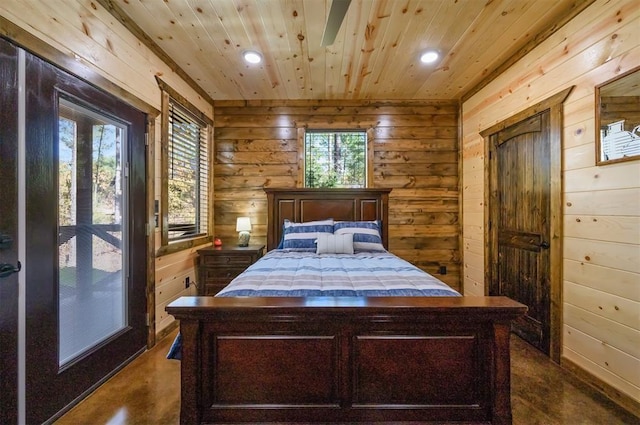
[{"x": 335, "y": 360}]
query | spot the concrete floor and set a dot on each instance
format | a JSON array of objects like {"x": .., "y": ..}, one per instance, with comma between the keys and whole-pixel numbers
[{"x": 147, "y": 391}]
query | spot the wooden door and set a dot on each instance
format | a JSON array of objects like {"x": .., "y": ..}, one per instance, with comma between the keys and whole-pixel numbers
[
  {"x": 8, "y": 233},
  {"x": 85, "y": 253},
  {"x": 523, "y": 218},
  {"x": 522, "y": 224}
]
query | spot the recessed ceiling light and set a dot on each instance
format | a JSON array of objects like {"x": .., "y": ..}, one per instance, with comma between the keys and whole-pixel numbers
[
  {"x": 252, "y": 56},
  {"x": 429, "y": 57}
]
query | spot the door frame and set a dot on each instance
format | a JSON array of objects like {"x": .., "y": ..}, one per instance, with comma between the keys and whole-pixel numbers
[
  {"x": 51, "y": 388},
  {"x": 30, "y": 43},
  {"x": 27, "y": 42},
  {"x": 555, "y": 106},
  {"x": 11, "y": 144}
]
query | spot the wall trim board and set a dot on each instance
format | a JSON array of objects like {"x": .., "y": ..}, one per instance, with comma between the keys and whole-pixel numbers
[
  {"x": 342, "y": 103},
  {"x": 164, "y": 332},
  {"x": 558, "y": 98},
  {"x": 461, "y": 217},
  {"x": 601, "y": 387},
  {"x": 151, "y": 234},
  {"x": 184, "y": 102}
]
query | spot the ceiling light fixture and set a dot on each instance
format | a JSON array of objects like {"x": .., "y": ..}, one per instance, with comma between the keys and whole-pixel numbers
[
  {"x": 429, "y": 56},
  {"x": 251, "y": 56}
]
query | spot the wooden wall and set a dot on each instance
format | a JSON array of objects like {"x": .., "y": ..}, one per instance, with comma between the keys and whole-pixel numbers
[
  {"x": 602, "y": 204},
  {"x": 601, "y": 235},
  {"x": 616, "y": 108},
  {"x": 415, "y": 152},
  {"x": 100, "y": 49}
]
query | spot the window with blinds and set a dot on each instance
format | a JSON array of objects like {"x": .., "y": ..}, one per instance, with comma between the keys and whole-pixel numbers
[
  {"x": 187, "y": 173},
  {"x": 335, "y": 158}
]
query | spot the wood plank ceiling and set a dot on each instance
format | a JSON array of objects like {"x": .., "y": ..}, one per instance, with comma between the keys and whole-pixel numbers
[{"x": 374, "y": 56}]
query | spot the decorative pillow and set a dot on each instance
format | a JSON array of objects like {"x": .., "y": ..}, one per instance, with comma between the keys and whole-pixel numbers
[
  {"x": 302, "y": 236},
  {"x": 334, "y": 244},
  {"x": 366, "y": 234}
]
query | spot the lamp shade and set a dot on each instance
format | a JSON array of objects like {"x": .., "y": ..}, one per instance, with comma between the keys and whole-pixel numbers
[{"x": 243, "y": 224}]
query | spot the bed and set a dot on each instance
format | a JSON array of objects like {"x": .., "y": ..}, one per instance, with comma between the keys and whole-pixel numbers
[{"x": 341, "y": 357}]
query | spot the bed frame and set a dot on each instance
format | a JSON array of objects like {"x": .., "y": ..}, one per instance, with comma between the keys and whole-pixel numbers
[{"x": 333, "y": 360}]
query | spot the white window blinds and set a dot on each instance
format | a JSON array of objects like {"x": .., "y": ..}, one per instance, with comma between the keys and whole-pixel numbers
[{"x": 187, "y": 175}]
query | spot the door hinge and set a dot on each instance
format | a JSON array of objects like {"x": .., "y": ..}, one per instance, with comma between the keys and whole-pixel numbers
[
  {"x": 146, "y": 139},
  {"x": 126, "y": 170},
  {"x": 147, "y": 320}
]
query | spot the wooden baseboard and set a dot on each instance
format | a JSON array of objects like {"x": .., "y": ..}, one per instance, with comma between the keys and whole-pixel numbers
[
  {"x": 166, "y": 331},
  {"x": 599, "y": 385}
]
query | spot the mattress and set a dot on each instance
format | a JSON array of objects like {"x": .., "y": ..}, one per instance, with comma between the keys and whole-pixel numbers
[{"x": 282, "y": 273}]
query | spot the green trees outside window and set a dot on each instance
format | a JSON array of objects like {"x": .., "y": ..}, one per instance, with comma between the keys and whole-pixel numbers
[
  {"x": 187, "y": 175},
  {"x": 335, "y": 158}
]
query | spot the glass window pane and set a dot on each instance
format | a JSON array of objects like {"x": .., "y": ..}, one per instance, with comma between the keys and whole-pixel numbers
[
  {"x": 335, "y": 159},
  {"x": 187, "y": 176},
  {"x": 91, "y": 219}
]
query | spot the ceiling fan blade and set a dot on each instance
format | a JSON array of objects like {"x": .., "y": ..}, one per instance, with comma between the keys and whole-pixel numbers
[{"x": 336, "y": 16}]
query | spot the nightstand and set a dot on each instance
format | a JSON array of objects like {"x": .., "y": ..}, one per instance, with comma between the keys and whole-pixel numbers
[{"x": 217, "y": 265}]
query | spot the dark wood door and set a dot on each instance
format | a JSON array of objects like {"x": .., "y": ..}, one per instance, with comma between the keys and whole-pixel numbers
[
  {"x": 521, "y": 216},
  {"x": 8, "y": 233},
  {"x": 81, "y": 144}
]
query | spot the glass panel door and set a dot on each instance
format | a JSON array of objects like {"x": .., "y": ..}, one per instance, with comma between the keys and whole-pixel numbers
[
  {"x": 91, "y": 217},
  {"x": 85, "y": 265}
]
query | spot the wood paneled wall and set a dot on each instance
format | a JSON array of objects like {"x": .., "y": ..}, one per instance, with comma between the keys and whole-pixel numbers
[
  {"x": 601, "y": 234},
  {"x": 415, "y": 152},
  {"x": 616, "y": 108}
]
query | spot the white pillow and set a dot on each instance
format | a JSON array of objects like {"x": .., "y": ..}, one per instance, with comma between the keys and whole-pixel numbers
[{"x": 334, "y": 244}]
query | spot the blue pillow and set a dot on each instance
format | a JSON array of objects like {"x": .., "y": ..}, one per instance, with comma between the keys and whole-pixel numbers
[
  {"x": 302, "y": 236},
  {"x": 281, "y": 243},
  {"x": 366, "y": 234}
]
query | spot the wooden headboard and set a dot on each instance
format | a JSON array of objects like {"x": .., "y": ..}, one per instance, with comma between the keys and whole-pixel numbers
[{"x": 301, "y": 205}]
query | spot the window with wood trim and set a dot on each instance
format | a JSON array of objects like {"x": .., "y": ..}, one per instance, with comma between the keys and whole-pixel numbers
[
  {"x": 185, "y": 203},
  {"x": 187, "y": 175},
  {"x": 335, "y": 158}
]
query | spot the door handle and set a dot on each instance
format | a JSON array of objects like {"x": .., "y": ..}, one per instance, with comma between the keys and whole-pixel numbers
[
  {"x": 544, "y": 245},
  {"x": 7, "y": 270}
]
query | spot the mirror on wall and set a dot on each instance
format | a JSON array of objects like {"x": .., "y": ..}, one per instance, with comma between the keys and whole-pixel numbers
[{"x": 618, "y": 119}]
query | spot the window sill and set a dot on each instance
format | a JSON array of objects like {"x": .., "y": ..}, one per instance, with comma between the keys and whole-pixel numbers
[{"x": 182, "y": 245}]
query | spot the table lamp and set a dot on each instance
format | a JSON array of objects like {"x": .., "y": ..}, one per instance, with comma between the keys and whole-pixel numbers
[{"x": 243, "y": 226}]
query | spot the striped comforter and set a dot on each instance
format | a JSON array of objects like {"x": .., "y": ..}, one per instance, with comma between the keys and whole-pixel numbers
[{"x": 283, "y": 273}]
